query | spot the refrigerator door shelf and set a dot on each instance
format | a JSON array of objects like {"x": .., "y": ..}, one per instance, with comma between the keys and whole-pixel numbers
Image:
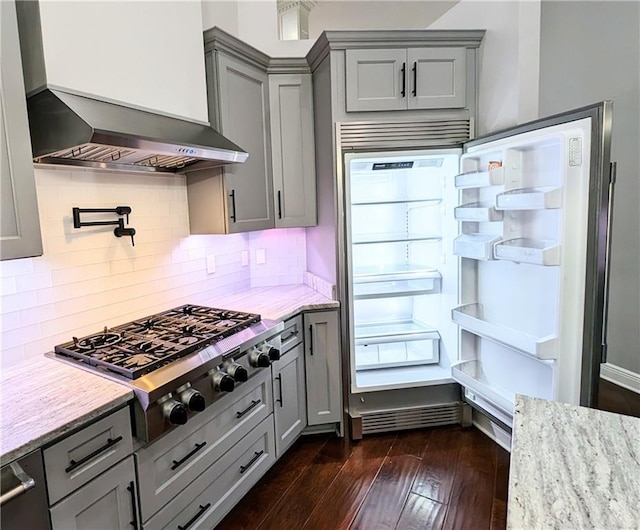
[
  {"x": 480, "y": 179},
  {"x": 534, "y": 251},
  {"x": 475, "y": 246},
  {"x": 470, "y": 318},
  {"x": 471, "y": 376},
  {"x": 477, "y": 212},
  {"x": 392, "y": 237},
  {"x": 397, "y": 354},
  {"x": 530, "y": 199}
]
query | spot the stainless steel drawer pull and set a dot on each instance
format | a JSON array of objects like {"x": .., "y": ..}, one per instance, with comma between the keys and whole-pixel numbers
[
  {"x": 178, "y": 463},
  {"x": 110, "y": 442},
  {"x": 26, "y": 483},
  {"x": 254, "y": 404},
  {"x": 196, "y": 516},
  {"x": 251, "y": 462},
  {"x": 132, "y": 490},
  {"x": 290, "y": 336},
  {"x": 279, "y": 378}
]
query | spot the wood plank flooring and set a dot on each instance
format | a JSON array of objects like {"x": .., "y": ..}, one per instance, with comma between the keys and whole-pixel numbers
[{"x": 443, "y": 478}]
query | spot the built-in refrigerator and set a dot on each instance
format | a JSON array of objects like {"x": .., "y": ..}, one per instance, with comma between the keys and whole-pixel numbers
[{"x": 484, "y": 265}]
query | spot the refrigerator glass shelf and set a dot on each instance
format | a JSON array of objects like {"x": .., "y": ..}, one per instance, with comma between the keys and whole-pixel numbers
[
  {"x": 395, "y": 288},
  {"x": 475, "y": 246},
  {"x": 480, "y": 179},
  {"x": 534, "y": 251},
  {"x": 401, "y": 271},
  {"x": 470, "y": 317},
  {"x": 471, "y": 375},
  {"x": 398, "y": 331},
  {"x": 530, "y": 199},
  {"x": 423, "y": 202},
  {"x": 396, "y": 354},
  {"x": 477, "y": 212},
  {"x": 392, "y": 237}
]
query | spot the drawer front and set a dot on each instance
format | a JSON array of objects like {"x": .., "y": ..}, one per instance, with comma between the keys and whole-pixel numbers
[
  {"x": 106, "y": 502},
  {"x": 292, "y": 334},
  {"x": 212, "y": 495},
  {"x": 77, "y": 459},
  {"x": 169, "y": 465}
]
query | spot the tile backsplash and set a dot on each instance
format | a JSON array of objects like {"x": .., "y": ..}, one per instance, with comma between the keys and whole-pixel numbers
[{"x": 87, "y": 278}]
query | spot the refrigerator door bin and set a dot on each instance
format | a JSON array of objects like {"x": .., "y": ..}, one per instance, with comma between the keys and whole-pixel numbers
[
  {"x": 470, "y": 375},
  {"x": 477, "y": 212},
  {"x": 530, "y": 199},
  {"x": 470, "y": 317},
  {"x": 480, "y": 179},
  {"x": 395, "y": 354},
  {"x": 524, "y": 250},
  {"x": 475, "y": 246}
]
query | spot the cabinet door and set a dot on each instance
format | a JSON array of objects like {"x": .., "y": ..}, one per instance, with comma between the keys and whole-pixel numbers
[
  {"x": 322, "y": 366},
  {"x": 437, "y": 78},
  {"x": 108, "y": 501},
  {"x": 376, "y": 79},
  {"x": 292, "y": 139},
  {"x": 244, "y": 119},
  {"x": 289, "y": 398},
  {"x": 19, "y": 222}
]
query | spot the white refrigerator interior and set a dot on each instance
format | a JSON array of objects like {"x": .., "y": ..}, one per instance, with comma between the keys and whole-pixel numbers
[{"x": 471, "y": 268}]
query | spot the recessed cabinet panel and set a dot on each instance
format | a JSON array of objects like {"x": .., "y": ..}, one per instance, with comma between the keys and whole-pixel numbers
[
  {"x": 375, "y": 79},
  {"x": 438, "y": 78},
  {"x": 19, "y": 222},
  {"x": 244, "y": 112},
  {"x": 292, "y": 137}
]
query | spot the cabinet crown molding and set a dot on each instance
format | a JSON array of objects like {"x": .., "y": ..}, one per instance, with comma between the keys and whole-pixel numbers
[{"x": 218, "y": 39}]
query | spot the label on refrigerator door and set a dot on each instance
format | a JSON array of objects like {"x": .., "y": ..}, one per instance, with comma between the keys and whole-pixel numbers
[{"x": 575, "y": 151}]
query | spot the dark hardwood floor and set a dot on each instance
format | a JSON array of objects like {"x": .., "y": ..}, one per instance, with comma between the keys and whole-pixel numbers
[{"x": 442, "y": 478}]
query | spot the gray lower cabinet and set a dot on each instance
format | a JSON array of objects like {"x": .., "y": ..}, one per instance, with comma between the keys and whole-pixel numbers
[
  {"x": 411, "y": 78},
  {"x": 289, "y": 398},
  {"x": 292, "y": 139},
  {"x": 19, "y": 223},
  {"x": 210, "y": 496},
  {"x": 108, "y": 501},
  {"x": 322, "y": 366}
]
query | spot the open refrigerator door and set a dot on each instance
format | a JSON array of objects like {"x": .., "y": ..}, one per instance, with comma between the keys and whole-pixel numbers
[{"x": 532, "y": 230}]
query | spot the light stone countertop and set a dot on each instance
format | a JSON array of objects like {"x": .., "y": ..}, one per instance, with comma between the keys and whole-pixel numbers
[
  {"x": 573, "y": 468},
  {"x": 43, "y": 400},
  {"x": 275, "y": 303}
]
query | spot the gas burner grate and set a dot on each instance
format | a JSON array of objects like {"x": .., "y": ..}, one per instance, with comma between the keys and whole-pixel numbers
[{"x": 139, "y": 347}]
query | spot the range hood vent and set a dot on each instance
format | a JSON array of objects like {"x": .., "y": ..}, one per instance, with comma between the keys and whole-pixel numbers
[{"x": 71, "y": 129}]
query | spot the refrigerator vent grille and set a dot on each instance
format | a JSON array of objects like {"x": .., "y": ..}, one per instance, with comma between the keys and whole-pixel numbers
[
  {"x": 405, "y": 134},
  {"x": 412, "y": 418}
]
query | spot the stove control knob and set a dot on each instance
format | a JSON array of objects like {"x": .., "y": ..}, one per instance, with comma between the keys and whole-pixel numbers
[
  {"x": 174, "y": 411},
  {"x": 272, "y": 352},
  {"x": 238, "y": 372},
  {"x": 191, "y": 398},
  {"x": 222, "y": 382},
  {"x": 259, "y": 359}
]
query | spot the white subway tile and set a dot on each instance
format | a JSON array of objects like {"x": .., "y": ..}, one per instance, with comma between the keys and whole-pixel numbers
[
  {"x": 33, "y": 282},
  {"x": 11, "y": 321},
  {"x": 8, "y": 285},
  {"x": 12, "y": 356},
  {"x": 14, "y": 267},
  {"x": 17, "y": 337},
  {"x": 18, "y": 301}
]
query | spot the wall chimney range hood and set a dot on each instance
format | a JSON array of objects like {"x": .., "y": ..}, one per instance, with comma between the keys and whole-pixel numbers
[{"x": 77, "y": 130}]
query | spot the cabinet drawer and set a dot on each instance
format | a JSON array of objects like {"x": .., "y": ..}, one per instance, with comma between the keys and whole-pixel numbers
[
  {"x": 210, "y": 497},
  {"x": 82, "y": 456},
  {"x": 106, "y": 502},
  {"x": 291, "y": 334},
  {"x": 169, "y": 465}
]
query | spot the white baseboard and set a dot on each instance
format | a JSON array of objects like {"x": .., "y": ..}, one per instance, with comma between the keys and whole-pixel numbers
[{"x": 620, "y": 376}]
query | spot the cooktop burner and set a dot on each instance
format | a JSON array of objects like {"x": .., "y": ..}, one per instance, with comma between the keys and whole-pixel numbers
[{"x": 141, "y": 346}]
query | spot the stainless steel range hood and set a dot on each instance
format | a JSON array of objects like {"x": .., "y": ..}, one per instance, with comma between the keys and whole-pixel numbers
[{"x": 71, "y": 129}]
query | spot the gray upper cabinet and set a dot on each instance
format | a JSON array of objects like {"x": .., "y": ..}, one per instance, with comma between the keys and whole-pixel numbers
[
  {"x": 19, "y": 223},
  {"x": 265, "y": 106},
  {"x": 399, "y": 79},
  {"x": 292, "y": 138}
]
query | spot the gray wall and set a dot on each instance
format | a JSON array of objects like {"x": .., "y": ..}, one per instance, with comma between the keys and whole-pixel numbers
[{"x": 590, "y": 51}]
